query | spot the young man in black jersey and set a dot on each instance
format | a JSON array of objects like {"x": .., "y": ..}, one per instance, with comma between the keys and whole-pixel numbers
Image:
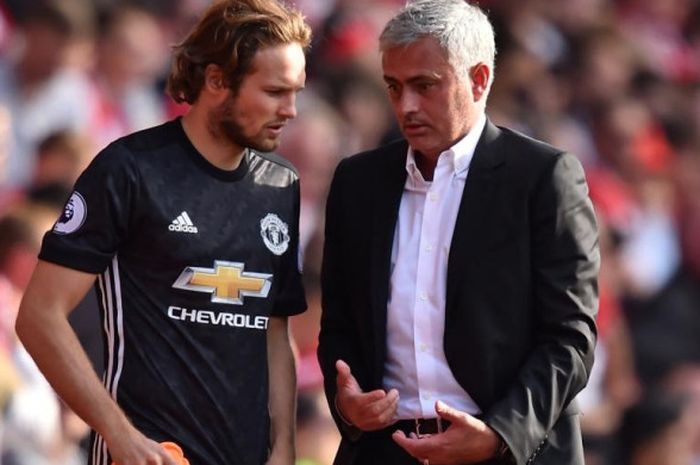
[{"x": 191, "y": 229}]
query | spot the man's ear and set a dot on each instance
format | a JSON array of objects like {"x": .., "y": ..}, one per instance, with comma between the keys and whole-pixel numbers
[
  {"x": 214, "y": 80},
  {"x": 480, "y": 75}
]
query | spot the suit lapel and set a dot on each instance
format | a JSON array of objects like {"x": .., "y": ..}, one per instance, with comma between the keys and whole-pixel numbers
[
  {"x": 388, "y": 184},
  {"x": 479, "y": 188}
]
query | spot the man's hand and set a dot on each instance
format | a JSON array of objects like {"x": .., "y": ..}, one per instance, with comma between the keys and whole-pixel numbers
[
  {"x": 467, "y": 440},
  {"x": 133, "y": 448},
  {"x": 369, "y": 411}
]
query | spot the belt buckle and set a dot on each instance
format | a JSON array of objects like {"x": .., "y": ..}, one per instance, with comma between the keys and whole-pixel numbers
[
  {"x": 438, "y": 422},
  {"x": 418, "y": 434}
]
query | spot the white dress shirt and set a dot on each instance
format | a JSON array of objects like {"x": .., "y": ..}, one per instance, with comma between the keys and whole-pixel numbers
[{"x": 416, "y": 364}]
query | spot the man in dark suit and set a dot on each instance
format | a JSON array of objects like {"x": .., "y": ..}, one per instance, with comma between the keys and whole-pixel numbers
[{"x": 460, "y": 268}]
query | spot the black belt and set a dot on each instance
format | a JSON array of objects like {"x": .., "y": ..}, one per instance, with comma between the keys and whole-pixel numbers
[{"x": 421, "y": 426}]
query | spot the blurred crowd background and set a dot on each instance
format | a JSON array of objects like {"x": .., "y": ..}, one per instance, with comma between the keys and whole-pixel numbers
[{"x": 617, "y": 82}]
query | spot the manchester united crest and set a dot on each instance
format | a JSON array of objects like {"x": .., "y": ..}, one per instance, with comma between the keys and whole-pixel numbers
[{"x": 275, "y": 233}]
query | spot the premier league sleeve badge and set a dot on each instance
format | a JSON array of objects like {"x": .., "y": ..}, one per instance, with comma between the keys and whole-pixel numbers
[{"x": 73, "y": 216}]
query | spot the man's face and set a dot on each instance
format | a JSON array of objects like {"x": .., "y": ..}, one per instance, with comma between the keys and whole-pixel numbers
[
  {"x": 266, "y": 99},
  {"x": 433, "y": 106}
]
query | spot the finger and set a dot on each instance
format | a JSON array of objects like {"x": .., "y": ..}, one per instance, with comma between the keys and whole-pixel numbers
[
  {"x": 345, "y": 377},
  {"x": 387, "y": 416},
  {"x": 381, "y": 405},
  {"x": 394, "y": 394},
  {"x": 411, "y": 444},
  {"x": 422, "y": 447},
  {"x": 367, "y": 411},
  {"x": 450, "y": 414},
  {"x": 359, "y": 407},
  {"x": 387, "y": 399},
  {"x": 367, "y": 399},
  {"x": 404, "y": 442},
  {"x": 166, "y": 457},
  {"x": 342, "y": 367},
  {"x": 155, "y": 459}
]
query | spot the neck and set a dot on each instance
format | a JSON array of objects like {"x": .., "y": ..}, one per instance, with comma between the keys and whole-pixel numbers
[{"x": 215, "y": 149}]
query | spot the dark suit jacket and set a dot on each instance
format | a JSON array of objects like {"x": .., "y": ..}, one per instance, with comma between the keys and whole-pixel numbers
[{"x": 521, "y": 288}]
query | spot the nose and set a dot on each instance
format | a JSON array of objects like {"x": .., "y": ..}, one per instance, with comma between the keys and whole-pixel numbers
[
  {"x": 288, "y": 107},
  {"x": 407, "y": 102}
]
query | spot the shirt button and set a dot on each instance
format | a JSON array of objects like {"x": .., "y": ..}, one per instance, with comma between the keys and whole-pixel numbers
[
  {"x": 426, "y": 396},
  {"x": 432, "y": 197},
  {"x": 423, "y": 296},
  {"x": 429, "y": 248},
  {"x": 423, "y": 348}
]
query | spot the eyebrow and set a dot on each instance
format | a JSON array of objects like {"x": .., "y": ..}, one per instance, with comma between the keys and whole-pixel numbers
[
  {"x": 283, "y": 85},
  {"x": 414, "y": 79}
]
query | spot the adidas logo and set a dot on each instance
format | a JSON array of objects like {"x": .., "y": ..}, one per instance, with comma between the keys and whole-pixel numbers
[{"x": 183, "y": 223}]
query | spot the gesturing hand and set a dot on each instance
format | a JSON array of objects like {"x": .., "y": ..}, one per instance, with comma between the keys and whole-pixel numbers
[
  {"x": 467, "y": 440},
  {"x": 368, "y": 411}
]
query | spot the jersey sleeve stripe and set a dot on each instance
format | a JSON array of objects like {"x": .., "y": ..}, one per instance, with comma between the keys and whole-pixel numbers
[
  {"x": 106, "y": 291},
  {"x": 110, "y": 289},
  {"x": 120, "y": 325}
]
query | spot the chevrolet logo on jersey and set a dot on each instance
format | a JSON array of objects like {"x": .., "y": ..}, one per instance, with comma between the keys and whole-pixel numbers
[{"x": 226, "y": 282}]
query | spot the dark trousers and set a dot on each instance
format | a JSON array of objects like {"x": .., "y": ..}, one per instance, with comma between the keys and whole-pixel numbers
[{"x": 382, "y": 450}]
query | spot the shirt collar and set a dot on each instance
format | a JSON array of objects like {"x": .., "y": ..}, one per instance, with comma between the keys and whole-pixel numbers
[{"x": 460, "y": 154}]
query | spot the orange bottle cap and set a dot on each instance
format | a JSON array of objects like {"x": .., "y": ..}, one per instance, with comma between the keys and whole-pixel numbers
[{"x": 175, "y": 452}]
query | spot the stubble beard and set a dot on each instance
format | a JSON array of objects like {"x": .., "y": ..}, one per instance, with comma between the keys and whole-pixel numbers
[{"x": 224, "y": 126}]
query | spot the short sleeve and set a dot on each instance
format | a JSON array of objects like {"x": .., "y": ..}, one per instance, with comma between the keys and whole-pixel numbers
[
  {"x": 96, "y": 217},
  {"x": 290, "y": 298}
]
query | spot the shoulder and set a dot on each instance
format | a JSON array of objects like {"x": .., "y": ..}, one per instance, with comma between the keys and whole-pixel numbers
[
  {"x": 541, "y": 166},
  {"x": 271, "y": 168},
  {"x": 525, "y": 144},
  {"x": 149, "y": 140},
  {"x": 376, "y": 160},
  {"x": 124, "y": 158},
  {"x": 138, "y": 147},
  {"x": 530, "y": 158},
  {"x": 274, "y": 160}
]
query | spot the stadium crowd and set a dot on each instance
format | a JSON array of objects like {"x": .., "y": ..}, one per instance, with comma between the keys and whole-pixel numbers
[{"x": 616, "y": 82}]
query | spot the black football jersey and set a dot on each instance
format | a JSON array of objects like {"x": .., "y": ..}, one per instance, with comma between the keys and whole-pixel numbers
[{"x": 191, "y": 262}]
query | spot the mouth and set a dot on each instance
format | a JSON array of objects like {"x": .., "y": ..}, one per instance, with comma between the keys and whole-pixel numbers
[
  {"x": 414, "y": 129},
  {"x": 276, "y": 128}
]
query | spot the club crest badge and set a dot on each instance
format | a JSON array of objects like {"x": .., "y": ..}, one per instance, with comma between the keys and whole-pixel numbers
[
  {"x": 73, "y": 216},
  {"x": 275, "y": 233}
]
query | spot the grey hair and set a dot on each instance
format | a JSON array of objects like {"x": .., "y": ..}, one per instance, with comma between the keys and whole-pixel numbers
[{"x": 462, "y": 30}]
